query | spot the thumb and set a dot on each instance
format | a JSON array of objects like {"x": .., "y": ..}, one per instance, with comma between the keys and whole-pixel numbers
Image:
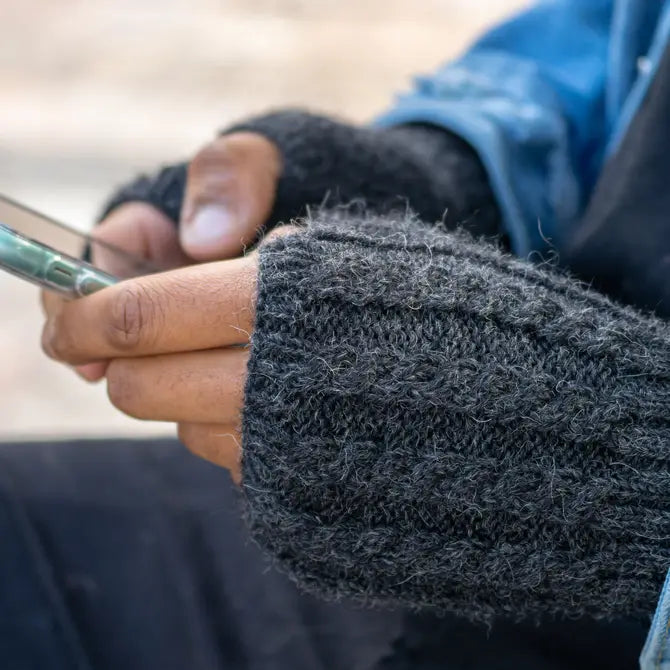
[{"x": 230, "y": 192}]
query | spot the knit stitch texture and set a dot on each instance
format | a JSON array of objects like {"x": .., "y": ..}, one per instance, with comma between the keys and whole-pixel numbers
[
  {"x": 427, "y": 169},
  {"x": 433, "y": 423},
  {"x": 163, "y": 189}
]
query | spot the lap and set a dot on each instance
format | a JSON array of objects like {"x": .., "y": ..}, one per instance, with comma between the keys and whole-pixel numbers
[{"x": 132, "y": 554}]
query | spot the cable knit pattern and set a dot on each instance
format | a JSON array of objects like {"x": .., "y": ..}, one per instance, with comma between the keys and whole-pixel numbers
[{"x": 434, "y": 423}]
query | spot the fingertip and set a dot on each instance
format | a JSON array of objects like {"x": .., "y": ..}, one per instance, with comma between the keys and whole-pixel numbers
[
  {"x": 92, "y": 372},
  {"x": 142, "y": 231}
]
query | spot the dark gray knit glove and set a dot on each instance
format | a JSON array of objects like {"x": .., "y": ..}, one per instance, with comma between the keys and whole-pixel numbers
[
  {"x": 164, "y": 190},
  {"x": 427, "y": 169},
  {"x": 431, "y": 171},
  {"x": 433, "y": 423}
]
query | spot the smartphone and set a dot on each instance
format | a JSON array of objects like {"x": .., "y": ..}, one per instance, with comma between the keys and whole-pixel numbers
[{"x": 50, "y": 254}]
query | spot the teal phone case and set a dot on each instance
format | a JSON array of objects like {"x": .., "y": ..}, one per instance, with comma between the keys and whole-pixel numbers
[{"x": 49, "y": 268}]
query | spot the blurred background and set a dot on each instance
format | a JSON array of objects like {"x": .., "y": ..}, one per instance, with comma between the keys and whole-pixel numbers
[{"x": 93, "y": 92}]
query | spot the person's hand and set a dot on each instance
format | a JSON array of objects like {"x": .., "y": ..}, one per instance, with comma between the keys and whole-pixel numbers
[
  {"x": 230, "y": 192},
  {"x": 175, "y": 347}
]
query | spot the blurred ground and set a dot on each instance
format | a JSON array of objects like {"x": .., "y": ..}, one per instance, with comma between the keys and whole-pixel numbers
[{"x": 92, "y": 92}]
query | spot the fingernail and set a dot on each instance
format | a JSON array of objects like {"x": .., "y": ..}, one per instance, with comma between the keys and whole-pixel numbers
[{"x": 211, "y": 224}]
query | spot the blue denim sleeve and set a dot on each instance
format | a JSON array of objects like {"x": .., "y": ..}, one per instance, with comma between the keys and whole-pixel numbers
[
  {"x": 529, "y": 96},
  {"x": 656, "y": 652}
]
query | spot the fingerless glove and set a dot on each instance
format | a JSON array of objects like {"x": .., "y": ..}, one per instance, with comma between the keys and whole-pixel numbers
[
  {"x": 423, "y": 168},
  {"x": 431, "y": 422}
]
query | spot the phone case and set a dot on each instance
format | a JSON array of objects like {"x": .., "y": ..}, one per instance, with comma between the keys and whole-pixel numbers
[{"x": 49, "y": 268}]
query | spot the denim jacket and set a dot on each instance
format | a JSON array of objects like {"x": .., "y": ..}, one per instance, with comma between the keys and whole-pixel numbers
[{"x": 544, "y": 99}]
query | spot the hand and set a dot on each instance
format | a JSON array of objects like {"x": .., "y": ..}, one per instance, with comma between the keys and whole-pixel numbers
[
  {"x": 230, "y": 192},
  {"x": 175, "y": 346}
]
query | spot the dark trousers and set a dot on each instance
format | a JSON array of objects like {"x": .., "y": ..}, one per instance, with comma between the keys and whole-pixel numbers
[{"x": 120, "y": 554}]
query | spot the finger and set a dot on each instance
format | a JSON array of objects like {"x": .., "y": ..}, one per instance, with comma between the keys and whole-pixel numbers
[
  {"x": 230, "y": 193},
  {"x": 218, "y": 443},
  {"x": 193, "y": 308},
  {"x": 140, "y": 230},
  {"x": 143, "y": 232},
  {"x": 202, "y": 386},
  {"x": 92, "y": 372},
  {"x": 52, "y": 303}
]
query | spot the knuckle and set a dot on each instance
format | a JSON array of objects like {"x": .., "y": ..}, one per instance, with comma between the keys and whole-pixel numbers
[
  {"x": 133, "y": 318},
  {"x": 211, "y": 157}
]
